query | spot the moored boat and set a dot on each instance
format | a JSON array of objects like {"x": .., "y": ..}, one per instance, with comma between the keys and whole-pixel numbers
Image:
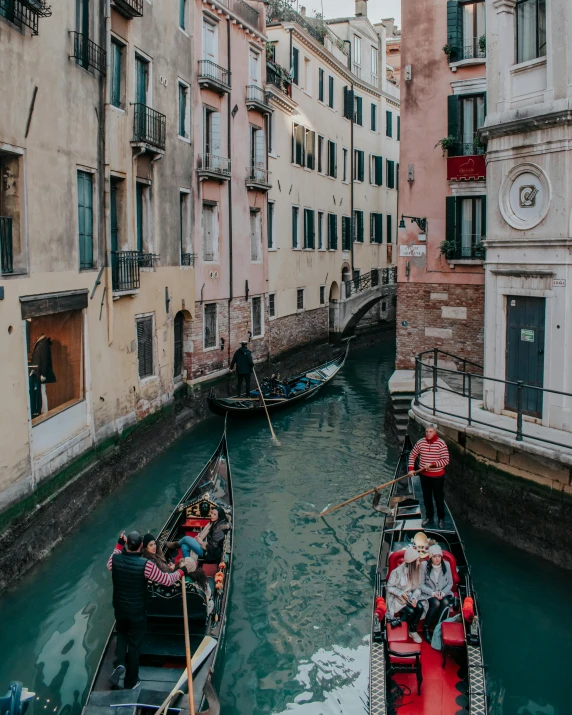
[
  {"x": 162, "y": 662},
  {"x": 416, "y": 676},
  {"x": 279, "y": 393}
]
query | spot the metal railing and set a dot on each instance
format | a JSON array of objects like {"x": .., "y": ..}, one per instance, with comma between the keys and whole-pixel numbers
[
  {"x": 471, "y": 148},
  {"x": 6, "y": 250},
  {"x": 375, "y": 277},
  {"x": 469, "y": 383},
  {"x": 188, "y": 259},
  {"x": 149, "y": 126},
  {"x": 473, "y": 51},
  {"x": 214, "y": 72},
  {"x": 243, "y": 10},
  {"x": 255, "y": 94},
  {"x": 282, "y": 11},
  {"x": 25, "y": 12},
  {"x": 147, "y": 260},
  {"x": 278, "y": 77},
  {"x": 130, "y": 8},
  {"x": 215, "y": 164},
  {"x": 258, "y": 174},
  {"x": 87, "y": 54},
  {"x": 125, "y": 273},
  {"x": 468, "y": 247}
]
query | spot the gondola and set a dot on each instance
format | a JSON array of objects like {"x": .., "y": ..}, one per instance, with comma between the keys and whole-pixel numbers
[
  {"x": 403, "y": 674},
  {"x": 279, "y": 394},
  {"x": 162, "y": 658}
]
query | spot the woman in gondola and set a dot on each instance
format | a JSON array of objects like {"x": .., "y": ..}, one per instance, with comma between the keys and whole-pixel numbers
[
  {"x": 152, "y": 552},
  {"x": 208, "y": 545},
  {"x": 403, "y": 592},
  {"x": 436, "y": 587}
]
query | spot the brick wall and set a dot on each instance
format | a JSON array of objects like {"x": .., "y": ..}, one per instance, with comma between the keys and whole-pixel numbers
[
  {"x": 443, "y": 316},
  {"x": 298, "y": 329}
]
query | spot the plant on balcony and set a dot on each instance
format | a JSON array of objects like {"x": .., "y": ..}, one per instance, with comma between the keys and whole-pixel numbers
[
  {"x": 448, "y": 249},
  {"x": 478, "y": 146},
  {"x": 480, "y": 251},
  {"x": 446, "y": 143},
  {"x": 448, "y": 49},
  {"x": 483, "y": 43}
]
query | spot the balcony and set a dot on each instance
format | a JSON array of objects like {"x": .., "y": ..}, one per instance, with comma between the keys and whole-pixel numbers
[
  {"x": 256, "y": 99},
  {"x": 87, "y": 54},
  {"x": 129, "y": 8},
  {"x": 258, "y": 178},
  {"x": 6, "y": 252},
  {"x": 278, "y": 77},
  {"x": 188, "y": 259},
  {"x": 243, "y": 10},
  {"x": 25, "y": 13},
  {"x": 466, "y": 247},
  {"x": 148, "y": 128},
  {"x": 210, "y": 166},
  {"x": 212, "y": 76},
  {"x": 125, "y": 271},
  {"x": 475, "y": 50}
]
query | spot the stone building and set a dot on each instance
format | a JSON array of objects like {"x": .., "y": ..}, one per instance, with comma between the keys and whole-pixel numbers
[
  {"x": 393, "y": 50},
  {"x": 333, "y": 147},
  {"x": 443, "y": 188}
]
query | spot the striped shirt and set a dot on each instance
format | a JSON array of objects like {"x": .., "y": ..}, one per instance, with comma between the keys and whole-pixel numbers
[
  {"x": 435, "y": 452},
  {"x": 152, "y": 573}
]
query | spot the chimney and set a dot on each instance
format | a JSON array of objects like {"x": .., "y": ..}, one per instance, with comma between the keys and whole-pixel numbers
[
  {"x": 303, "y": 11},
  {"x": 361, "y": 8}
]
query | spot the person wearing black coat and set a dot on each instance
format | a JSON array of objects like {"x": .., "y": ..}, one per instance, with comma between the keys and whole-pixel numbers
[{"x": 244, "y": 364}]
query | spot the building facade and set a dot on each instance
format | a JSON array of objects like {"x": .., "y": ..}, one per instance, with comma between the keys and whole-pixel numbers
[
  {"x": 443, "y": 180},
  {"x": 393, "y": 50}
]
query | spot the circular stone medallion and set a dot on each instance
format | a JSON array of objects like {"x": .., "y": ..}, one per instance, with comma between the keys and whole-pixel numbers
[{"x": 525, "y": 196}]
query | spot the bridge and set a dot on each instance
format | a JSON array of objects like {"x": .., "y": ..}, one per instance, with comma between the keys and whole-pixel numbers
[{"x": 358, "y": 296}]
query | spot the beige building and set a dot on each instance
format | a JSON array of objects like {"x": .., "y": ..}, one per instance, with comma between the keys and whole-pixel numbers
[
  {"x": 333, "y": 153},
  {"x": 97, "y": 282}
]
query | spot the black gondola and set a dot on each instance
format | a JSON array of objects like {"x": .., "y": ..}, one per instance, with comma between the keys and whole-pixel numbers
[
  {"x": 416, "y": 676},
  {"x": 162, "y": 659},
  {"x": 279, "y": 394}
]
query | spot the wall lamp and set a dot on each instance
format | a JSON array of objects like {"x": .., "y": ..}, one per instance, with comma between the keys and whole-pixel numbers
[{"x": 421, "y": 222}]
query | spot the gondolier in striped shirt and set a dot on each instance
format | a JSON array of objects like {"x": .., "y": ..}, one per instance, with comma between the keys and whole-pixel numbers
[{"x": 433, "y": 458}]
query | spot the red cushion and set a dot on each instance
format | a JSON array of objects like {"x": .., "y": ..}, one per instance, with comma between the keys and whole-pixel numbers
[
  {"x": 399, "y": 634},
  {"x": 195, "y": 522},
  {"x": 452, "y": 561},
  {"x": 210, "y": 569},
  {"x": 406, "y": 649},
  {"x": 453, "y": 634},
  {"x": 395, "y": 558}
]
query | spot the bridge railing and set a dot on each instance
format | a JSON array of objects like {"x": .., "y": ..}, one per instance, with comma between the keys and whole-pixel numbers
[{"x": 377, "y": 276}]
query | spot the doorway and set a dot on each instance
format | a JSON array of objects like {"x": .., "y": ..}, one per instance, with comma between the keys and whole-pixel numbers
[{"x": 525, "y": 352}]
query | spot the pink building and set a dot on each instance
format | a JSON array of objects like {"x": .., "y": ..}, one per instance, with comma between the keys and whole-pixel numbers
[{"x": 442, "y": 180}]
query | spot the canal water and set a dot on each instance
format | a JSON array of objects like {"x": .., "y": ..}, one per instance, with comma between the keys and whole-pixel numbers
[{"x": 297, "y": 635}]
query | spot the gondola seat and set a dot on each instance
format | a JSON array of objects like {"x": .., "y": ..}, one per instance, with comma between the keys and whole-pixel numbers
[
  {"x": 453, "y": 636},
  {"x": 396, "y": 558},
  {"x": 405, "y": 658},
  {"x": 399, "y": 634}
]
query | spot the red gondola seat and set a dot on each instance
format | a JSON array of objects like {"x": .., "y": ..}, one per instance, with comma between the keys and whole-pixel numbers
[
  {"x": 405, "y": 658},
  {"x": 453, "y": 636}
]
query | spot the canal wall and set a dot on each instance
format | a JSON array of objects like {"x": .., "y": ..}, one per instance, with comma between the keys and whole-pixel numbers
[{"x": 519, "y": 497}]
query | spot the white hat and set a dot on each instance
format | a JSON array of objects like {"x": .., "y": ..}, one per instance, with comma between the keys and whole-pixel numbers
[
  {"x": 435, "y": 550},
  {"x": 411, "y": 555},
  {"x": 190, "y": 564}
]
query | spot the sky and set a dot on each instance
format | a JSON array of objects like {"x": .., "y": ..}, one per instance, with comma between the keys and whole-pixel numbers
[{"x": 343, "y": 8}]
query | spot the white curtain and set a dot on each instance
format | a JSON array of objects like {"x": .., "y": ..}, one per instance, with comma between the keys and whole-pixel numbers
[
  {"x": 466, "y": 227},
  {"x": 468, "y": 120},
  {"x": 468, "y": 31},
  {"x": 526, "y": 30}
]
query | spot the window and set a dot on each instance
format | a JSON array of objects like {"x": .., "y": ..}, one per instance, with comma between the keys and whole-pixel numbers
[
  {"x": 270, "y": 122},
  {"x": 465, "y": 225},
  {"x": 309, "y": 229},
  {"x": 473, "y": 22},
  {"x": 298, "y": 138},
  {"x": 178, "y": 324},
  {"x": 358, "y": 226},
  {"x": 332, "y": 232},
  {"x": 389, "y": 229},
  {"x": 114, "y": 213},
  {"x": 145, "y": 346},
  {"x": 320, "y": 84},
  {"x": 373, "y": 117},
  {"x": 182, "y": 13},
  {"x": 185, "y": 223},
  {"x": 254, "y": 68},
  {"x": 398, "y": 128},
  {"x": 322, "y": 295},
  {"x": 141, "y": 85},
  {"x": 374, "y": 63},
  {"x": 358, "y": 113},
  {"x": 257, "y": 163},
  {"x": 300, "y": 299},
  {"x": 390, "y": 173},
  {"x": 210, "y": 232},
  {"x": 295, "y": 227},
  {"x": 184, "y": 122},
  {"x": 210, "y": 326},
  {"x": 307, "y": 75},
  {"x": 466, "y": 114},
  {"x": 376, "y": 228},
  {"x": 115, "y": 84},
  {"x": 345, "y": 165},
  {"x": 320, "y": 230},
  {"x": 142, "y": 215},
  {"x": 211, "y": 137},
  {"x": 296, "y": 65},
  {"x": 388, "y": 123},
  {"x": 310, "y": 149},
  {"x": 210, "y": 41},
  {"x": 255, "y": 236},
  {"x": 359, "y": 168},
  {"x": 376, "y": 170},
  {"x": 332, "y": 160},
  {"x": 346, "y": 233},
  {"x": 272, "y": 305},
  {"x": 357, "y": 50},
  {"x": 530, "y": 29},
  {"x": 257, "y": 322},
  {"x": 270, "y": 226},
  {"x": 331, "y": 92},
  {"x": 349, "y": 103},
  {"x": 321, "y": 164},
  {"x": 85, "y": 218}
]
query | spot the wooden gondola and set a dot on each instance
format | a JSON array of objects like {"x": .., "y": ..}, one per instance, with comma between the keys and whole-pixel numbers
[
  {"x": 162, "y": 658},
  {"x": 281, "y": 394},
  {"x": 417, "y": 677}
]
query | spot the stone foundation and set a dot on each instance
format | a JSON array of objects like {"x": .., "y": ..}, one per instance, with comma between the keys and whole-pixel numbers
[{"x": 297, "y": 330}]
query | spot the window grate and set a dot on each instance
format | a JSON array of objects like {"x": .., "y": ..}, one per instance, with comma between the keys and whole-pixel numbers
[
  {"x": 210, "y": 325},
  {"x": 256, "y": 317}
]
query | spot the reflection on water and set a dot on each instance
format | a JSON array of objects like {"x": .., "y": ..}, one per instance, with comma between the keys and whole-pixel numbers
[{"x": 297, "y": 634}]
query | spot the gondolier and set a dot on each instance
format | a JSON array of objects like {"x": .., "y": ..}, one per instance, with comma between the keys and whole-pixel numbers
[
  {"x": 244, "y": 364},
  {"x": 433, "y": 458}
]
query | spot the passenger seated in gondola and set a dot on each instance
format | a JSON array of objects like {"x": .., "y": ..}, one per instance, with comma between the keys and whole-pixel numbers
[
  {"x": 403, "y": 592},
  {"x": 152, "y": 551},
  {"x": 436, "y": 586},
  {"x": 209, "y": 543}
]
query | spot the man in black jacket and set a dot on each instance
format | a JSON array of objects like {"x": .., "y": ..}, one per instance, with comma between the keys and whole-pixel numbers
[
  {"x": 130, "y": 573},
  {"x": 244, "y": 365}
]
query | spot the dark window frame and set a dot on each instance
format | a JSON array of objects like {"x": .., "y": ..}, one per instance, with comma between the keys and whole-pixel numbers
[{"x": 145, "y": 357}]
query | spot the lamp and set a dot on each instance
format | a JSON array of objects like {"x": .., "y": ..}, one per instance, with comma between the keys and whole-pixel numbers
[{"x": 421, "y": 222}]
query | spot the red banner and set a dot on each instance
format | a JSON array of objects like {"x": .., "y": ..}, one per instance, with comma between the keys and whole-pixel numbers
[{"x": 466, "y": 168}]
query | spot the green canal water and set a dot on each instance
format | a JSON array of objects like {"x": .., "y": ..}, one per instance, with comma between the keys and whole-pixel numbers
[{"x": 297, "y": 634}]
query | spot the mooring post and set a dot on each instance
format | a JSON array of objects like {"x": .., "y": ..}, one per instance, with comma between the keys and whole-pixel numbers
[{"x": 519, "y": 410}]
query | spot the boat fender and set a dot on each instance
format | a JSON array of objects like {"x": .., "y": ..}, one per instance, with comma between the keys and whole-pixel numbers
[
  {"x": 380, "y": 608},
  {"x": 468, "y": 609}
]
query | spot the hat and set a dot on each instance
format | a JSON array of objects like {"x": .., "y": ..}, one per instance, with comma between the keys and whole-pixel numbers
[
  {"x": 435, "y": 550},
  {"x": 147, "y": 539},
  {"x": 189, "y": 563},
  {"x": 244, "y": 342},
  {"x": 420, "y": 540},
  {"x": 411, "y": 555},
  {"x": 133, "y": 541}
]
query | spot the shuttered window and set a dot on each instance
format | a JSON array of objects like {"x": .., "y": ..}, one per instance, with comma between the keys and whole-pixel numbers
[
  {"x": 309, "y": 229},
  {"x": 145, "y": 346},
  {"x": 272, "y": 305},
  {"x": 465, "y": 224},
  {"x": 388, "y": 123},
  {"x": 320, "y": 230},
  {"x": 300, "y": 299},
  {"x": 210, "y": 325},
  {"x": 115, "y": 84},
  {"x": 183, "y": 128},
  {"x": 358, "y": 118},
  {"x": 376, "y": 227},
  {"x": 359, "y": 165},
  {"x": 295, "y": 227},
  {"x": 390, "y": 174},
  {"x": 374, "y": 117},
  {"x": 346, "y": 233},
  {"x": 389, "y": 229},
  {"x": 331, "y": 91},
  {"x": 320, "y": 84},
  {"x": 358, "y": 226},
  {"x": 332, "y": 159},
  {"x": 310, "y": 149},
  {"x": 348, "y": 103},
  {"x": 182, "y": 13},
  {"x": 256, "y": 317},
  {"x": 332, "y": 232},
  {"x": 85, "y": 218},
  {"x": 298, "y": 145},
  {"x": 398, "y": 128},
  {"x": 295, "y": 65}
]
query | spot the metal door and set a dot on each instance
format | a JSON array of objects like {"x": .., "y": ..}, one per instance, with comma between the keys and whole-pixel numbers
[{"x": 525, "y": 352}]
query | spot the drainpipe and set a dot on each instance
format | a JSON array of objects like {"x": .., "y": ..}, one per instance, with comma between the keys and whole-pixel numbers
[
  {"x": 106, "y": 174},
  {"x": 351, "y": 162},
  {"x": 228, "y": 120}
]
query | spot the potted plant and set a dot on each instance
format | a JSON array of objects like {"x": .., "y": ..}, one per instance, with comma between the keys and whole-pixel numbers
[
  {"x": 446, "y": 143},
  {"x": 480, "y": 251},
  {"x": 478, "y": 146},
  {"x": 448, "y": 49},
  {"x": 483, "y": 44},
  {"x": 448, "y": 249}
]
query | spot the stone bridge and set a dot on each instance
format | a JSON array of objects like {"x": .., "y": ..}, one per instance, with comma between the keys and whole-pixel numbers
[{"x": 358, "y": 296}]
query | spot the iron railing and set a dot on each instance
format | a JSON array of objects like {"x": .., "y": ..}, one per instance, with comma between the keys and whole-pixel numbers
[
  {"x": 473, "y": 51},
  {"x": 278, "y": 77},
  {"x": 468, "y": 247},
  {"x": 129, "y": 8},
  {"x": 385, "y": 276},
  {"x": 188, "y": 259},
  {"x": 258, "y": 175},
  {"x": 87, "y": 54},
  {"x": 282, "y": 11},
  {"x": 149, "y": 126},
  {"x": 210, "y": 71},
  {"x": 125, "y": 273},
  {"x": 25, "y": 12},
  {"x": 214, "y": 164},
  {"x": 468, "y": 381},
  {"x": 471, "y": 148},
  {"x": 6, "y": 249},
  {"x": 147, "y": 260},
  {"x": 243, "y": 10},
  {"x": 255, "y": 94}
]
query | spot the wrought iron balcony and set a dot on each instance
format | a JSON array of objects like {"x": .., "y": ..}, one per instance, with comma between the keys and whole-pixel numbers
[
  {"x": 25, "y": 12},
  {"x": 476, "y": 50},
  {"x": 278, "y": 77},
  {"x": 258, "y": 178},
  {"x": 188, "y": 259},
  {"x": 125, "y": 273},
  {"x": 87, "y": 54},
  {"x": 467, "y": 247},
  {"x": 212, "y": 76},
  {"x": 147, "y": 260},
  {"x": 129, "y": 8},
  {"x": 214, "y": 167},
  {"x": 6, "y": 252},
  {"x": 148, "y": 126},
  {"x": 256, "y": 99}
]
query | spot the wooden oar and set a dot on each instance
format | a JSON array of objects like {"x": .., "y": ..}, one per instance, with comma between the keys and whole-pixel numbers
[
  {"x": 188, "y": 648},
  {"x": 274, "y": 438},
  {"x": 371, "y": 491}
]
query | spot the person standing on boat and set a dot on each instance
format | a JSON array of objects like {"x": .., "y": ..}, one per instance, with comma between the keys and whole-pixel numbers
[
  {"x": 433, "y": 458},
  {"x": 130, "y": 573},
  {"x": 244, "y": 365}
]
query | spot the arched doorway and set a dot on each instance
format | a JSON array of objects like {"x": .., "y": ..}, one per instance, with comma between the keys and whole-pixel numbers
[{"x": 334, "y": 292}]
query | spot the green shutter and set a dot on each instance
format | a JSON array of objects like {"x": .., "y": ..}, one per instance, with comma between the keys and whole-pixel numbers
[
  {"x": 141, "y": 81},
  {"x": 373, "y": 117},
  {"x": 139, "y": 215},
  {"x": 182, "y": 14},
  {"x": 113, "y": 217},
  {"x": 115, "y": 74},
  {"x": 379, "y": 228},
  {"x": 389, "y": 229},
  {"x": 454, "y": 129},
  {"x": 330, "y": 91},
  {"x": 378, "y": 170},
  {"x": 294, "y": 227},
  {"x": 145, "y": 346},
  {"x": 361, "y": 165},
  {"x": 372, "y": 228},
  {"x": 295, "y": 64},
  {"x": 310, "y": 147},
  {"x": 321, "y": 84},
  {"x": 454, "y": 29},
  {"x": 390, "y": 174},
  {"x": 311, "y": 235},
  {"x": 484, "y": 216},
  {"x": 398, "y": 128},
  {"x": 451, "y": 219},
  {"x": 388, "y": 123},
  {"x": 182, "y": 111},
  {"x": 348, "y": 103},
  {"x": 359, "y": 114},
  {"x": 85, "y": 218},
  {"x": 360, "y": 226}
]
